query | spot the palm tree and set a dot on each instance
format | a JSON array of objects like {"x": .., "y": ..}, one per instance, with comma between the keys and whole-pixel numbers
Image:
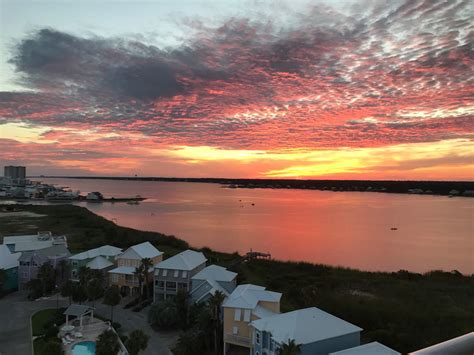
[
  {"x": 94, "y": 290},
  {"x": 289, "y": 348},
  {"x": 139, "y": 274},
  {"x": 215, "y": 304},
  {"x": 84, "y": 275},
  {"x": 163, "y": 314},
  {"x": 47, "y": 277},
  {"x": 67, "y": 289},
  {"x": 147, "y": 263},
  {"x": 79, "y": 293},
  {"x": 64, "y": 270}
]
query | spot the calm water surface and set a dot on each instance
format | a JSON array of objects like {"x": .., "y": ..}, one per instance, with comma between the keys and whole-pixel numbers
[{"x": 338, "y": 228}]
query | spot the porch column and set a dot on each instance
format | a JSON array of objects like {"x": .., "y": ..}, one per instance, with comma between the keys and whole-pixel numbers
[
  {"x": 67, "y": 319},
  {"x": 80, "y": 322}
]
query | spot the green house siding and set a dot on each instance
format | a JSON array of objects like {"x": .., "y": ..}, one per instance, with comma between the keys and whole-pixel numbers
[{"x": 11, "y": 281}]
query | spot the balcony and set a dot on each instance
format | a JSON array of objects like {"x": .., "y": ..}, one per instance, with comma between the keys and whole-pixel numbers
[{"x": 237, "y": 340}]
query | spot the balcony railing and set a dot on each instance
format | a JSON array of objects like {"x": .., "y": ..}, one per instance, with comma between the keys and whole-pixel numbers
[{"x": 237, "y": 340}]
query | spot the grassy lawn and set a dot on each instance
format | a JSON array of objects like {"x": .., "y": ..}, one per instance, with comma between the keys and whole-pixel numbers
[{"x": 41, "y": 319}]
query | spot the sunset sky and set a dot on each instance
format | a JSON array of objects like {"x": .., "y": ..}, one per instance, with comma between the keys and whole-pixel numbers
[{"x": 264, "y": 89}]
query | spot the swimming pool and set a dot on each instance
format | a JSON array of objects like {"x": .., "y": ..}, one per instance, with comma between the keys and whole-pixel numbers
[{"x": 84, "y": 348}]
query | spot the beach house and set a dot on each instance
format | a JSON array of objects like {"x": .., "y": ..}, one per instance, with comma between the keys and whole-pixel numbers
[
  {"x": 31, "y": 261},
  {"x": 245, "y": 304},
  {"x": 124, "y": 275},
  {"x": 175, "y": 273},
  {"x": 21, "y": 243},
  {"x": 316, "y": 331},
  {"x": 101, "y": 258},
  {"x": 209, "y": 280},
  {"x": 9, "y": 264}
]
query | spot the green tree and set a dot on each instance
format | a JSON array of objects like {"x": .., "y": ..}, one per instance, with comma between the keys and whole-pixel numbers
[
  {"x": 112, "y": 298},
  {"x": 289, "y": 348},
  {"x": 47, "y": 277},
  {"x": 64, "y": 268},
  {"x": 53, "y": 348},
  {"x": 163, "y": 314},
  {"x": 84, "y": 274},
  {"x": 79, "y": 293},
  {"x": 147, "y": 263},
  {"x": 107, "y": 343},
  {"x": 94, "y": 290},
  {"x": 189, "y": 343},
  {"x": 181, "y": 301},
  {"x": 215, "y": 306},
  {"x": 67, "y": 289},
  {"x": 35, "y": 289},
  {"x": 137, "y": 341}
]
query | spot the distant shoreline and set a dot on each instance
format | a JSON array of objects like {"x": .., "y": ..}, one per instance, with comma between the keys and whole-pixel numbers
[{"x": 443, "y": 188}]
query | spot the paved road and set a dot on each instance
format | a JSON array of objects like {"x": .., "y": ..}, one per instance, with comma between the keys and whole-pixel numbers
[
  {"x": 15, "y": 331},
  {"x": 15, "y": 314}
]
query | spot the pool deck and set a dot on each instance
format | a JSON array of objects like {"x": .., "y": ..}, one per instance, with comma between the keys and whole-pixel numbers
[{"x": 89, "y": 331}]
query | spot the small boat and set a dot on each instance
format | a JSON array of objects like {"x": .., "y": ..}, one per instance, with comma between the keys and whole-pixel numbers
[{"x": 394, "y": 228}]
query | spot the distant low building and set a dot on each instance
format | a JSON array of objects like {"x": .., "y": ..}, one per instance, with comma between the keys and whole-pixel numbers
[
  {"x": 209, "y": 280},
  {"x": 374, "y": 348},
  {"x": 9, "y": 264},
  {"x": 124, "y": 275},
  {"x": 38, "y": 241},
  {"x": 94, "y": 196},
  {"x": 316, "y": 331},
  {"x": 175, "y": 273},
  {"x": 31, "y": 261}
]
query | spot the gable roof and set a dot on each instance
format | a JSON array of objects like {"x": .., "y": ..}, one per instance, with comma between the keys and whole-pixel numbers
[
  {"x": 99, "y": 263},
  {"x": 374, "y": 348},
  {"x": 305, "y": 326},
  {"x": 105, "y": 250},
  {"x": 186, "y": 260},
  {"x": 247, "y": 296},
  {"x": 77, "y": 310},
  {"x": 34, "y": 242},
  {"x": 141, "y": 251},
  {"x": 8, "y": 259},
  {"x": 46, "y": 253},
  {"x": 126, "y": 270},
  {"x": 216, "y": 273}
]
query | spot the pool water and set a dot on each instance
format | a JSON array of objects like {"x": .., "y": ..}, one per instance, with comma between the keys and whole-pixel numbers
[{"x": 84, "y": 348}]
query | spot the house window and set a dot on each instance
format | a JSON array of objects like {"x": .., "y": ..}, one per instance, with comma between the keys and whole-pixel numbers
[
  {"x": 165, "y": 272},
  {"x": 235, "y": 330},
  {"x": 114, "y": 278},
  {"x": 171, "y": 286},
  {"x": 257, "y": 337},
  {"x": 247, "y": 315},
  {"x": 157, "y": 272},
  {"x": 182, "y": 286},
  {"x": 176, "y": 273},
  {"x": 160, "y": 284},
  {"x": 74, "y": 263},
  {"x": 237, "y": 314},
  {"x": 185, "y": 274}
]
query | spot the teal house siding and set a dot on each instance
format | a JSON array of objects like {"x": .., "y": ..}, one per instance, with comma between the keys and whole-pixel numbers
[{"x": 11, "y": 280}]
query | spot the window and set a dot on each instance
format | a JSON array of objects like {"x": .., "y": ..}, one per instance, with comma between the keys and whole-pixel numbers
[
  {"x": 176, "y": 273},
  {"x": 165, "y": 272},
  {"x": 182, "y": 286},
  {"x": 237, "y": 314},
  {"x": 247, "y": 315},
  {"x": 157, "y": 272},
  {"x": 235, "y": 330},
  {"x": 185, "y": 274},
  {"x": 171, "y": 286},
  {"x": 160, "y": 284},
  {"x": 74, "y": 263},
  {"x": 257, "y": 337},
  {"x": 115, "y": 278}
]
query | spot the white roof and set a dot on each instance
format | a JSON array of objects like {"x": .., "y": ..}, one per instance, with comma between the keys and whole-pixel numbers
[
  {"x": 186, "y": 260},
  {"x": 99, "y": 263},
  {"x": 8, "y": 259},
  {"x": 215, "y": 272},
  {"x": 105, "y": 250},
  {"x": 34, "y": 241},
  {"x": 248, "y": 296},
  {"x": 142, "y": 250},
  {"x": 304, "y": 326},
  {"x": 373, "y": 348},
  {"x": 463, "y": 344},
  {"x": 127, "y": 270}
]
